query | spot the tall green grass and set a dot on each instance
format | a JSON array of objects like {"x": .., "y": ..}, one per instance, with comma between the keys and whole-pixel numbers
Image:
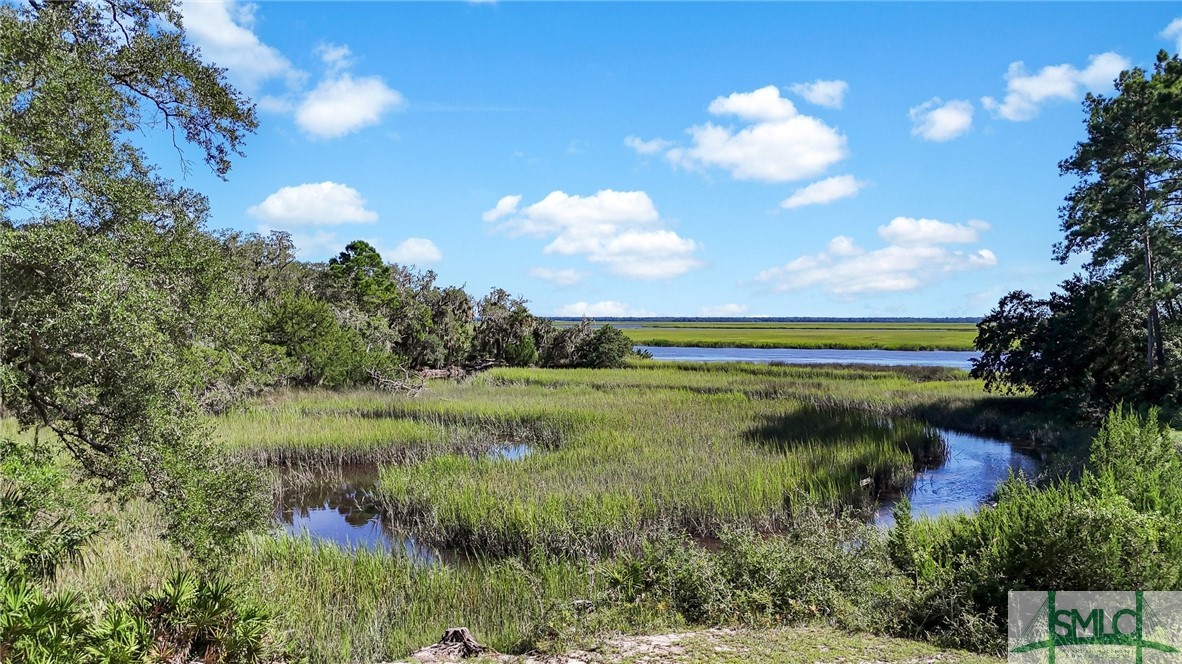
[
  {"x": 339, "y": 606},
  {"x": 618, "y": 455}
]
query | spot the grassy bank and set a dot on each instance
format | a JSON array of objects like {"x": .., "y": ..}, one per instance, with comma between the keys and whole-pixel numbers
[
  {"x": 619, "y": 458},
  {"x": 848, "y": 336},
  {"x": 617, "y": 455}
]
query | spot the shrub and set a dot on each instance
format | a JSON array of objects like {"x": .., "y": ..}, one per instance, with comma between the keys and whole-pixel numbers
[
  {"x": 605, "y": 348},
  {"x": 829, "y": 568},
  {"x": 186, "y": 620},
  {"x": 1118, "y": 527},
  {"x": 43, "y": 516}
]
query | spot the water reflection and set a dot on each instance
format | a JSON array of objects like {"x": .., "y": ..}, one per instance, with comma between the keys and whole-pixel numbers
[
  {"x": 972, "y": 470},
  {"x": 509, "y": 452},
  {"x": 339, "y": 506}
]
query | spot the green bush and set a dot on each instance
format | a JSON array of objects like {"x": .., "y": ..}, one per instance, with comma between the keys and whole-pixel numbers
[
  {"x": 186, "y": 620},
  {"x": 1118, "y": 527},
  {"x": 605, "y": 348},
  {"x": 44, "y": 520},
  {"x": 825, "y": 568}
]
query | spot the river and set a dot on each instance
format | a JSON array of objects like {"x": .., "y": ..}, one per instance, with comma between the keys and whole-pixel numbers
[{"x": 931, "y": 358}]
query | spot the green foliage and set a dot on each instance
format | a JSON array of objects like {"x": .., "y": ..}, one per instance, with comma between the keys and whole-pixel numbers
[
  {"x": 186, "y": 620},
  {"x": 1078, "y": 347},
  {"x": 44, "y": 517},
  {"x": 324, "y": 352},
  {"x": 111, "y": 342},
  {"x": 605, "y": 348},
  {"x": 584, "y": 346},
  {"x": 119, "y": 324},
  {"x": 360, "y": 272},
  {"x": 1116, "y": 334},
  {"x": 503, "y": 324},
  {"x": 560, "y": 347},
  {"x": 824, "y": 568},
  {"x": 522, "y": 353},
  {"x": 1117, "y": 528},
  {"x": 1134, "y": 458}
]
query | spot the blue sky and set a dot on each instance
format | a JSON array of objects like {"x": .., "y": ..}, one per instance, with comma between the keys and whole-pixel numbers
[{"x": 674, "y": 159}]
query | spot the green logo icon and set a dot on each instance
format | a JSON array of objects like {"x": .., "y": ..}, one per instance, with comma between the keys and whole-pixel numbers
[{"x": 1089, "y": 622}]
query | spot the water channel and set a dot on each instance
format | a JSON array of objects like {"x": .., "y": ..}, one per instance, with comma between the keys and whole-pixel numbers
[
  {"x": 931, "y": 358},
  {"x": 341, "y": 508}
]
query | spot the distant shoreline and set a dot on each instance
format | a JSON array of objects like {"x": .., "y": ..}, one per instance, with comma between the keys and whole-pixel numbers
[{"x": 767, "y": 319}]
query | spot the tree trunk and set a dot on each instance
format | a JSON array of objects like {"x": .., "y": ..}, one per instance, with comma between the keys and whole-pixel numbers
[{"x": 1151, "y": 310}]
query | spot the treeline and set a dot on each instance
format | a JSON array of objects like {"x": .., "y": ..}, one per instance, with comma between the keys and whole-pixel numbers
[
  {"x": 1113, "y": 333},
  {"x": 357, "y": 319}
]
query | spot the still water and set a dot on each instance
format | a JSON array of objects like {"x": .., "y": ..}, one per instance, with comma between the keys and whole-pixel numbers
[
  {"x": 931, "y": 358},
  {"x": 971, "y": 472},
  {"x": 341, "y": 508}
]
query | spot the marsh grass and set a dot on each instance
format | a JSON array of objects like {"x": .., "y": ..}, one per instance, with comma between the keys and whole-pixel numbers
[
  {"x": 618, "y": 458},
  {"x": 620, "y": 454}
]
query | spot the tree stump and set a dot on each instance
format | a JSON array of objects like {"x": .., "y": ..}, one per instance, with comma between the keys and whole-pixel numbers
[{"x": 458, "y": 641}]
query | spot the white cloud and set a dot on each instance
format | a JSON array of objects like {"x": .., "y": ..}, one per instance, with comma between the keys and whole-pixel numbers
[
  {"x": 843, "y": 245},
  {"x": 725, "y": 310},
  {"x": 620, "y": 229},
  {"x": 781, "y": 147},
  {"x": 604, "y": 309},
  {"x": 1174, "y": 31},
  {"x": 505, "y": 207},
  {"x": 314, "y": 204},
  {"x": 824, "y": 191},
  {"x": 222, "y": 30},
  {"x": 909, "y": 231},
  {"x": 937, "y": 120},
  {"x": 830, "y": 94},
  {"x": 914, "y": 259},
  {"x": 316, "y": 245},
  {"x": 565, "y": 277},
  {"x": 778, "y": 144},
  {"x": 648, "y": 147},
  {"x": 337, "y": 57},
  {"x": 759, "y": 106},
  {"x": 414, "y": 251},
  {"x": 1027, "y": 93},
  {"x": 343, "y": 105}
]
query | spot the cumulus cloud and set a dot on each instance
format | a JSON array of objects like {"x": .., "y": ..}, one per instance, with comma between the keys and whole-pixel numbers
[
  {"x": 915, "y": 258},
  {"x": 830, "y": 94},
  {"x": 649, "y": 147},
  {"x": 414, "y": 251},
  {"x": 338, "y": 105},
  {"x": 321, "y": 203},
  {"x": 1026, "y": 93},
  {"x": 909, "y": 231},
  {"x": 725, "y": 310},
  {"x": 621, "y": 230},
  {"x": 336, "y": 57},
  {"x": 824, "y": 191},
  {"x": 504, "y": 207},
  {"x": 343, "y": 104},
  {"x": 1174, "y": 31},
  {"x": 604, "y": 309},
  {"x": 760, "y": 105},
  {"x": 565, "y": 277},
  {"x": 777, "y": 144},
  {"x": 937, "y": 120},
  {"x": 223, "y": 32}
]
